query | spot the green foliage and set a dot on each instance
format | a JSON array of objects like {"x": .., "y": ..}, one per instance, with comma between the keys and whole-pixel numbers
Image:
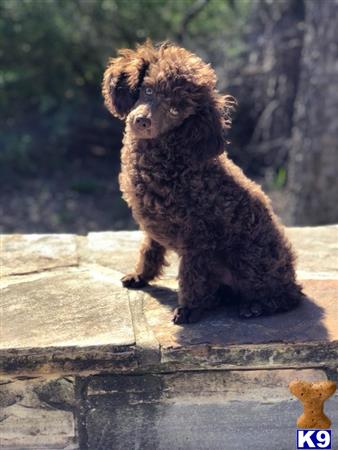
[
  {"x": 280, "y": 178},
  {"x": 275, "y": 178},
  {"x": 53, "y": 53}
]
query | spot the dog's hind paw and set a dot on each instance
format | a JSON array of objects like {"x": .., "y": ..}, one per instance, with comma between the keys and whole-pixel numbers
[
  {"x": 133, "y": 281},
  {"x": 248, "y": 310}
]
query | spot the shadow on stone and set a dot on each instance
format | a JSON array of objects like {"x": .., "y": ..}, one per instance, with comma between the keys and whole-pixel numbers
[{"x": 223, "y": 325}]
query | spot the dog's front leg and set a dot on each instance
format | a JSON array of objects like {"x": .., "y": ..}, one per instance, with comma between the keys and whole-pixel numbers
[
  {"x": 197, "y": 288},
  {"x": 149, "y": 266}
]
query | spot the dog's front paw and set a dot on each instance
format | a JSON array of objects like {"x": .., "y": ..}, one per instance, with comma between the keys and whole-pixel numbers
[
  {"x": 182, "y": 314},
  {"x": 133, "y": 281}
]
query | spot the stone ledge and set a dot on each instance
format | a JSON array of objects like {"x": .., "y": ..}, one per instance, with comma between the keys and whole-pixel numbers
[
  {"x": 229, "y": 410},
  {"x": 63, "y": 310},
  {"x": 251, "y": 408}
]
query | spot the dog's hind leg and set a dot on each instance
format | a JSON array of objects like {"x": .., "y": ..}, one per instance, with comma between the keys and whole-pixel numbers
[
  {"x": 269, "y": 299},
  {"x": 149, "y": 266}
]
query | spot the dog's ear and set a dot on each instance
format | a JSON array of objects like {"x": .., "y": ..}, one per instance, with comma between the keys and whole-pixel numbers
[
  {"x": 123, "y": 78},
  {"x": 207, "y": 130}
]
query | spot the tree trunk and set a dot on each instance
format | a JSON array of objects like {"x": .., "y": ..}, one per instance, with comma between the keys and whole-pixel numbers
[
  {"x": 265, "y": 84},
  {"x": 313, "y": 160}
]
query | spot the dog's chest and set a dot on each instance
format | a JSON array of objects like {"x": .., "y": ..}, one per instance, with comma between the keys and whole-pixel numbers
[{"x": 161, "y": 193}]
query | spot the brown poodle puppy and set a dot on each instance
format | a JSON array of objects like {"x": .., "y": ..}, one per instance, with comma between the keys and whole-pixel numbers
[{"x": 186, "y": 194}]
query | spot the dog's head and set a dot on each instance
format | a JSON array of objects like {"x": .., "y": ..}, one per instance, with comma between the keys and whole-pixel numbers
[{"x": 167, "y": 88}]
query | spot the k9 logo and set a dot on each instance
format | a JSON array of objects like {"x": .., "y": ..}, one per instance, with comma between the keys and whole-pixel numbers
[{"x": 316, "y": 439}]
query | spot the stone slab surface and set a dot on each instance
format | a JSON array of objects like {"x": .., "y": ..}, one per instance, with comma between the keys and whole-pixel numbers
[
  {"x": 317, "y": 250},
  {"x": 37, "y": 414},
  {"x": 82, "y": 307},
  {"x": 36, "y": 252},
  {"x": 119, "y": 251},
  {"x": 62, "y": 305},
  {"x": 315, "y": 320},
  {"x": 116, "y": 250},
  {"x": 207, "y": 410}
]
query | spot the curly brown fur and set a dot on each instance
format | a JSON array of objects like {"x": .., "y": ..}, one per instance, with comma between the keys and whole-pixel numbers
[{"x": 186, "y": 194}]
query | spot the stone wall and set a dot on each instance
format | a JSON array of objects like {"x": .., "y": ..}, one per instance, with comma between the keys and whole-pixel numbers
[{"x": 86, "y": 364}]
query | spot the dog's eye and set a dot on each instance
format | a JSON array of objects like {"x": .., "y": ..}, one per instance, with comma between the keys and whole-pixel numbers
[
  {"x": 173, "y": 111},
  {"x": 148, "y": 91}
]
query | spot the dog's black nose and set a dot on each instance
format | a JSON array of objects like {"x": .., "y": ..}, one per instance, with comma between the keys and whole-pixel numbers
[{"x": 143, "y": 122}]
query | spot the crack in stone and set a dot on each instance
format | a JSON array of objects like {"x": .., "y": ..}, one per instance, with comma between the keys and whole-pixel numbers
[{"x": 47, "y": 269}]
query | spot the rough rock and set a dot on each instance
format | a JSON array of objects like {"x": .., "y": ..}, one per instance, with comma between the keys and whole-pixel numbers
[{"x": 28, "y": 422}]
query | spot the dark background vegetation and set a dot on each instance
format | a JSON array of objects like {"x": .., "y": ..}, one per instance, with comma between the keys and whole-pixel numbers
[{"x": 59, "y": 148}]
